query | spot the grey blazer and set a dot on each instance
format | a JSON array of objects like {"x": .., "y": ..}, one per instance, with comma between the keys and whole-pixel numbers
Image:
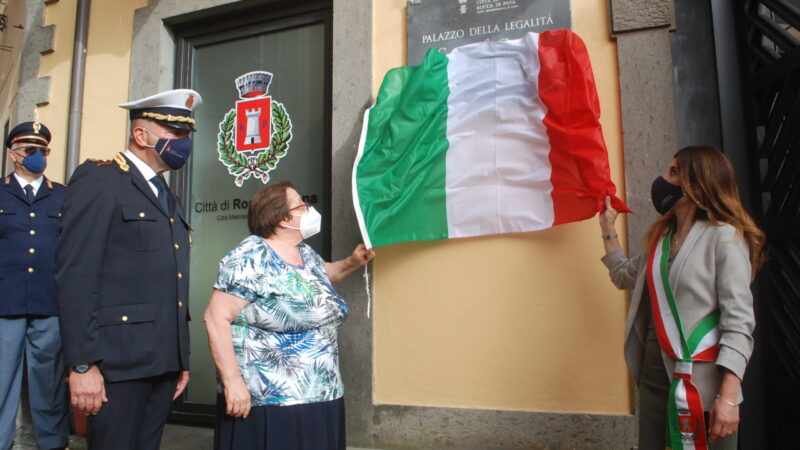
[{"x": 711, "y": 271}]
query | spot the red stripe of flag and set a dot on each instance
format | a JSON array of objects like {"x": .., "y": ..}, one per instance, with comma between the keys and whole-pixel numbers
[{"x": 580, "y": 173}]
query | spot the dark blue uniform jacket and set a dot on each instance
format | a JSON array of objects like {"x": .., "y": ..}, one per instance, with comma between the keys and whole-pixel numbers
[
  {"x": 121, "y": 271},
  {"x": 28, "y": 238}
]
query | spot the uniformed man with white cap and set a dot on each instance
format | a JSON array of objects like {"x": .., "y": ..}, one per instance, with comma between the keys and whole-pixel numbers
[{"x": 121, "y": 270}]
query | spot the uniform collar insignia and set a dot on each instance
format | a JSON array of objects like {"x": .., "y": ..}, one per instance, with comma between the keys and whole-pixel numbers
[
  {"x": 122, "y": 162},
  {"x": 48, "y": 183}
]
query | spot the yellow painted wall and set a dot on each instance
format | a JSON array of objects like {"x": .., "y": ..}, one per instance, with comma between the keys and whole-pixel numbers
[
  {"x": 108, "y": 57},
  {"x": 108, "y": 67},
  {"x": 525, "y": 321},
  {"x": 57, "y": 65},
  {"x": 11, "y": 40}
]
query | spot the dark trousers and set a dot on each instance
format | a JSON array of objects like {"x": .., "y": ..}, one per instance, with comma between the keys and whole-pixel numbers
[{"x": 135, "y": 414}]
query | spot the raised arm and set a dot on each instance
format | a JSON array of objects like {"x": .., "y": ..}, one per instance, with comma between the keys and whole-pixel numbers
[
  {"x": 338, "y": 270},
  {"x": 622, "y": 270}
]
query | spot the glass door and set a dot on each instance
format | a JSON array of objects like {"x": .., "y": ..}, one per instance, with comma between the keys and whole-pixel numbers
[{"x": 265, "y": 118}]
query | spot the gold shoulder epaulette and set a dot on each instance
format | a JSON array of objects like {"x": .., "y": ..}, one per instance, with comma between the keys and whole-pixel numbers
[{"x": 122, "y": 163}]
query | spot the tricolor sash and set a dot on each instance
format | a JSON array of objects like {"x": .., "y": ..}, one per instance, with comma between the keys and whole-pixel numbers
[{"x": 686, "y": 425}]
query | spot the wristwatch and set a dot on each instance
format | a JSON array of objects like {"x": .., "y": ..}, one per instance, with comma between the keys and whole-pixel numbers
[{"x": 82, "y": 368}]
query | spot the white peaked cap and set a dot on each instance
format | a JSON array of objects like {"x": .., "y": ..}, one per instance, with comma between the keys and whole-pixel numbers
[{"x": 172, "y": 108}]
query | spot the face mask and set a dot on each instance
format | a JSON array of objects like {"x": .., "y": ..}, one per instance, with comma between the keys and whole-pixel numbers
[
  {"x": 35, "y": 162},
  {"x": 310, "y": 223},
  {"x": 174, "y": 152},
  {"x": 664, "y": 195}
]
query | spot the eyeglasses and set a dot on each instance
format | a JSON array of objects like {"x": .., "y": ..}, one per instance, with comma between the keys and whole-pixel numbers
[
  {"x": 32, "y": 149},
  {"x": 303, "y": 207}
]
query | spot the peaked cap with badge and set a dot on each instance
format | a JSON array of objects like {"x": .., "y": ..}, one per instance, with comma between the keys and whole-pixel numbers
[
  {"x": 172, "y": 108},
  {"x": 29, "y": 132}
]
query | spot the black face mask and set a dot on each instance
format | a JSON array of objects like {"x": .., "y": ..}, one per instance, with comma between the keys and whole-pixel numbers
[{"x": 664, "y": 195}]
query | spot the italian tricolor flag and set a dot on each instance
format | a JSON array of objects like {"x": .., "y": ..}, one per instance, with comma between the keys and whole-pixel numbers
[{"x": 496, "y": 137}]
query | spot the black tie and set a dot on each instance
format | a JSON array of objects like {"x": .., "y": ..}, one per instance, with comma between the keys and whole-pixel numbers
[
  {"x": 163, "y": 196},
  {"x": 29, "y": 193}
]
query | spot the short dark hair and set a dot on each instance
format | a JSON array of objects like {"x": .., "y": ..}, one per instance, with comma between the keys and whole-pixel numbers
[{"x": 268, "y": 208}]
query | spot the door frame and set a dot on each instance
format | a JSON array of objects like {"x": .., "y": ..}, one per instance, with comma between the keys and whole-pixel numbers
[{"x": 232, "y": 22}]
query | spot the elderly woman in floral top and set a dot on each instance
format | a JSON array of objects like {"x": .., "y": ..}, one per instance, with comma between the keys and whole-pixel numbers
[{"x": 271, "y": 324}]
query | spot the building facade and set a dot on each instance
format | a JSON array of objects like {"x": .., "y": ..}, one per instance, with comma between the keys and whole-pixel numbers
[{"x": 510, "y": 341}]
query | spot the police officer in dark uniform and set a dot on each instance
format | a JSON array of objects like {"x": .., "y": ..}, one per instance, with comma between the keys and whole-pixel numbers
[
  {"x": 30, "y": 211},
  {"x": 122, "y": 290}
]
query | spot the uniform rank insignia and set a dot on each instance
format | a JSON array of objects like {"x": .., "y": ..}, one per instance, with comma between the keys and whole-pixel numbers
[{"x": 122, "y": 163}]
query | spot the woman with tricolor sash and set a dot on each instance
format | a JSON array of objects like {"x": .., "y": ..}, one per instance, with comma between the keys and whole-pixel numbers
[{"x": 689, "y": 332}]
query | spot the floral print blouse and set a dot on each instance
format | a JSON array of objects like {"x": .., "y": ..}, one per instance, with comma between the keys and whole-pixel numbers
[{"x": 285, "y": 338}]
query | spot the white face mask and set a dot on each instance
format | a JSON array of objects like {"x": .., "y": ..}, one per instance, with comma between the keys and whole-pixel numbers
[{"x": 310, "y": 223}]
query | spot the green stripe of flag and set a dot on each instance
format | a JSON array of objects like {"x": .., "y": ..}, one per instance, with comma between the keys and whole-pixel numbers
[{"x": 402, "y": 168}]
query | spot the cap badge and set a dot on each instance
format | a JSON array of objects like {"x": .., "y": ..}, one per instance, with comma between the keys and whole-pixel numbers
[
  {"x": 36, "y": 127},
  {"x": 190, "y": 101}
]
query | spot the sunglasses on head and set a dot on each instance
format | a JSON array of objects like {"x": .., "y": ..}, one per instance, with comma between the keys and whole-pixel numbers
[{"x": 32, "y": 149}]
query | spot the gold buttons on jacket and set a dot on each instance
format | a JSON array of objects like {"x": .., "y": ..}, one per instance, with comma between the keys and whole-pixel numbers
[
  {"x": 30, "y": 269},
  {"x": 180, "y": 276},
  {"x": 124, "y": 318},
  {"x": 32, "y": 214},
  {"x": 32, "y": 251},
  {"x": 141, "y": 214},
  {"x": 33, "y": 232},
  {"x": 180, "y": 304},
  {"x": 171, "y": 220},
  {"x": 177, "y": 247}
]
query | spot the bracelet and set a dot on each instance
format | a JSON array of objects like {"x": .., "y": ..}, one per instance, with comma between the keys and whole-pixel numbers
[
  {"x": 610, "y": 236},
  {"x": 729, "y": 403}
]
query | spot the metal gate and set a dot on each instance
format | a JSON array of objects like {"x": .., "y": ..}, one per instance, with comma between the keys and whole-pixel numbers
[{"x": 772, "y": 36}]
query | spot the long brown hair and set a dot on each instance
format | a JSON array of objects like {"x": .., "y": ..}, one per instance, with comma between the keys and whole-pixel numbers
[{"x": 706, "y": 177}]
